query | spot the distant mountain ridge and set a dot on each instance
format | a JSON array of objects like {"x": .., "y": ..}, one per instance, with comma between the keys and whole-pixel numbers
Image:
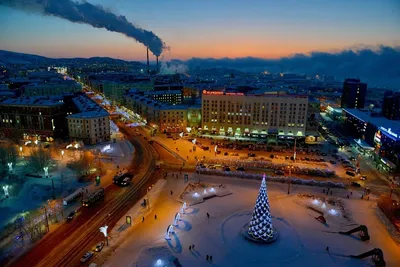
[{"x": 9, "y": 57}]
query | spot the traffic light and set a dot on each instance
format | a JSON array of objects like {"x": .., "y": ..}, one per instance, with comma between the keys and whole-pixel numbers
[{"x": 98, "y": 179}]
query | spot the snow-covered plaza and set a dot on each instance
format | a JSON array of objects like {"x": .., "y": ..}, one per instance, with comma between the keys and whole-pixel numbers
[{"x": 302, "y": 241}]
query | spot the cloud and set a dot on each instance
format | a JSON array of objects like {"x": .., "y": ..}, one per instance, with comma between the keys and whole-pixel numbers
[
  {"x": 94, "y": 15},
  {"x": 377, "y": 66}
]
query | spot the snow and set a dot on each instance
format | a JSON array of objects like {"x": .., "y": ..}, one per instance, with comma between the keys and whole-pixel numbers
[{"x": 302, "y": 239}]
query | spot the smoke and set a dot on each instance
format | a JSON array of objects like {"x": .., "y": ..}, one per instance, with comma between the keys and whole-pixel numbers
[
  {"x": 173, "y": 66},
  {"x": 94, "y": 15},
  {"x": 377, "y": 66}
]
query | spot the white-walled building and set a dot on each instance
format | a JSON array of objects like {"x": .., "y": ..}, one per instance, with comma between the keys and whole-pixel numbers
[
  {"x": 240, "y": 114},
  {"x": 91, "y": 124}
]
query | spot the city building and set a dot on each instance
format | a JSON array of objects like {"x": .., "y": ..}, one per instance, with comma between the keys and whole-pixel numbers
[
  {"x": 239, "y": 114},
  {"x": 391, "y": 105},
  {"x": 353, "y": 94},
  {"x": 376, "y": 135},
  {"x": 163, "y": 117},
  {"x": 52, "y": 88},
  {"x": 115, "y": 90},
  {"x": 173, "y": 97},
  {"x": 33, "y": 118},
  {"x": 90, "y": 123}
]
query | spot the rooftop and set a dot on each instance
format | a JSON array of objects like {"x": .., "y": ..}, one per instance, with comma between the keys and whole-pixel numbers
[
  {"x": 364, "y": 115},
  {"x": 30, "y": 101},
  {"x": 88, "y": 108}
]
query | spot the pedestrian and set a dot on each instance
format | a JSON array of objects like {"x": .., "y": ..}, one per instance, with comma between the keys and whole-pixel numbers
[
  {"x": 327, "y": 249},
  {"x": 210, "y": 258},
  {"x": 207, "y": 257},
  {"x": 171, "y": 193},
  {"x": 368, "y": 198},
  {"x": 193, "y": 246},
  {"x": 190, "y": 248},
  {"x": 351, "y": 193},
  {"x": 142, "y": 219},
  {"x": 208, "y": 215},
  {"x": 155, "y": 216}
]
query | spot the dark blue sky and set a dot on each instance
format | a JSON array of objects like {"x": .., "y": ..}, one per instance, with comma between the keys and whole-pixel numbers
[{"x": 212, "y": 28}]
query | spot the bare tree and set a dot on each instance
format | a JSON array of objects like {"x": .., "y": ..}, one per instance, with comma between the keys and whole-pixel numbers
[{"x": 40, "y": 158}]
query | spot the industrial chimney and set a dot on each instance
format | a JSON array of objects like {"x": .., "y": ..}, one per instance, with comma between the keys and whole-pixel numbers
[
  {"x": 148, "y": 63},
  {"x": 157, "y": 63}
]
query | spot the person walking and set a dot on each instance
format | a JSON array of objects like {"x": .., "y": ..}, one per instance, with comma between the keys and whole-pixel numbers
[
  {"x": 142, "y": 219},
  {"x": 155, "y": 216},
  {"x": 208, "y": 215},
  {"x": 210, "y": 258},
  {"x": 207, "y": 257},
  {"x": 193, "y": 246},
  {"x": 190, "y": 248},
  {"x": 171, "y": 192},
  {"x": 327, "y": 249}
]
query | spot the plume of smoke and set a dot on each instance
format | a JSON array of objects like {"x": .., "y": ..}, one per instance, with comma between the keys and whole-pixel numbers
[
  {"x": 94, "y": 15},
  {"x": 169, "y": 66}
]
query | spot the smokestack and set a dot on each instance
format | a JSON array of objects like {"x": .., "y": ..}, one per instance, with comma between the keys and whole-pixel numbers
[
  {"x": 157, "y": 63},
  {"x": 148, "y": 62}
]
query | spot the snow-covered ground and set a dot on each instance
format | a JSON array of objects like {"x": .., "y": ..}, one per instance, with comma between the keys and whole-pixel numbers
[{"x": 302, "y": 239}]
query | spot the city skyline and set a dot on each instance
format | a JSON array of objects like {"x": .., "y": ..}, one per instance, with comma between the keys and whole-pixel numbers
[{"x": 265, "y": 29}]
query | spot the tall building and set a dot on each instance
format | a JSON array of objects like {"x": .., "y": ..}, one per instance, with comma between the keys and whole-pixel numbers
[
  {"x": 32, "y": 117},
  {"x": 391, "y": 105},
  {"x": 353, "y": 95},
  {"x": 240, "y": 114}
]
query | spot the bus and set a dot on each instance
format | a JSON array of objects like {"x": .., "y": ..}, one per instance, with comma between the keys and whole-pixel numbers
[
  {"x": 93, "y": 197},
  {"x": 123, "y": 179},
  {"x": 73, "y": 197}
]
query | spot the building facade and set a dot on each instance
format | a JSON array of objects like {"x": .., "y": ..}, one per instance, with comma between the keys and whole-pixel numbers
[
  {"x": 52, "y": 88},
  {"x": 381, "y": 135},
  {"x": 391, "y": 105},
  {"x": 173, "y": 97},
  {"x": 353, "y": 94},
  {"x": 237, "y": 114},
  {"x": 90, "y": 124},
  {"x": 164, "y": 117},
  {"x": 36, "y": 118}
]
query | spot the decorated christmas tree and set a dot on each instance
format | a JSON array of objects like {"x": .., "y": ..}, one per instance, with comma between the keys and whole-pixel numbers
[{"x": 260, "y": 227}]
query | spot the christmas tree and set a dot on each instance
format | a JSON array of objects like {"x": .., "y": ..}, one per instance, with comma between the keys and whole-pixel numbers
[{"x": 260, "y": 227}]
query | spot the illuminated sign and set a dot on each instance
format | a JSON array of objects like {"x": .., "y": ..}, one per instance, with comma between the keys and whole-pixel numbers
[
  {"x": 205, "y": 92},
  {"x": 377, "y": 137},
  {"x": 389, "y": 131}
]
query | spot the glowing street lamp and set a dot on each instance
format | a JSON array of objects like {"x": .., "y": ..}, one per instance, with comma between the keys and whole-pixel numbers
[
  {"x": 103, "y": 230},
  {"x": 10, "y": 168},
  {"x": 62, "y": 154},
  {"x": 5, "y": 188},
  {"x": 46, "y": 171}
]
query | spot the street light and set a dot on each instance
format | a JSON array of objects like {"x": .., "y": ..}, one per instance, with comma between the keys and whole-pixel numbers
[
  {"x": 46, "y": 171},
  {"x": 10, "y": 168},
  {"x": 103, "y": 230},
  {"x": 62, "y": 154}
]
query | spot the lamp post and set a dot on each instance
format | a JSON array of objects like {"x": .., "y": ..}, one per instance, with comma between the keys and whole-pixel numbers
[
  {"x": 62, "y": 154},
  {"x": 5, "y": 188},
  {"x": 290, "y": 179},
  {"x": 103, "y": 230},
  {"x": 20, "y": 151},
  {"x": 10, "y": 168},
  {"x": 46, "y": 171}
]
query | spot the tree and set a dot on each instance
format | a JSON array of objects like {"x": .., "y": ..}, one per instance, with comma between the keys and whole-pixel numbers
[
  {"x": 260, "y": 227},
  {"x": 40, "y": 158}
]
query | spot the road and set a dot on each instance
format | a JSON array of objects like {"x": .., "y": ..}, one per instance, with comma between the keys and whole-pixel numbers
[{"x": 66, "y": 245}]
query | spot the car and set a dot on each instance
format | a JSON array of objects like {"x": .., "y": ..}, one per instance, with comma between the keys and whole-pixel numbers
[
  {"x": 332, "y": 162},
  {"x": 206, "y": 148},
  {"x": 350, "y": 173},
  {"x": 251, "y": 155},
  {"x": 227, "y": 169},
  {"x": 86, "y": 256},
  {"x": 170, "y": 136},
  {"x": 363, "y": 177},
  {"x": 279, "y": 172},
  {"x": 355, "y": 184},
  {"x": 99, "y": 246},
  {"x": 212, "y": 167},
  {"x": 241, "y": 169},
  {"x": 71, "y": 215},
  {"x": 352, "y": 158}
]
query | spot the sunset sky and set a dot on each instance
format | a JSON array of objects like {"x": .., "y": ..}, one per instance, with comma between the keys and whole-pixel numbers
[{"x": 211, "y": 28}]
